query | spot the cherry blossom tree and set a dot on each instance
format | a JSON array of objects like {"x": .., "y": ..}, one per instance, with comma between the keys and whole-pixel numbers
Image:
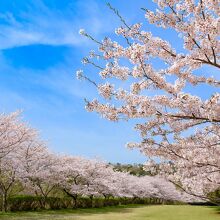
[
  {"x": 27, "y": 164},
  {"x": 39, "y": 172},
  {"x": 89, "y": 178},
  {"x": 14, "y": 135},
  {"x": 71, "y": 176},
  {"x": 178, "y": 124},
  {"x": 80, "y": 177},
  {"x": 9, "y": 178},
  {"x": 98, "y": 176},
  {"x": 149, "y": 187}
]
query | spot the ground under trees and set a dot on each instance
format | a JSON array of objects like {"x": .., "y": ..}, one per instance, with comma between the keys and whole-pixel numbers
[{"x": 124, "y": 212}]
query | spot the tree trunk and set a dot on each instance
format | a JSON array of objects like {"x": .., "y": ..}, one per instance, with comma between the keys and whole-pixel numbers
[
  {"x": 133, "y": 199},
  {"x": 75, "y": 200},
  {"x": 91, "y": 197},
  {"x": 5, "y": 202},
  {"x": 44, "y": 202},
  {"x": 74, "y": 196},
  {"x": 105, "y": 200}
]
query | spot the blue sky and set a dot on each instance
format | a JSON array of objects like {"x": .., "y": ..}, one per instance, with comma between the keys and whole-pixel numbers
[{"x": 40, "y": 51}]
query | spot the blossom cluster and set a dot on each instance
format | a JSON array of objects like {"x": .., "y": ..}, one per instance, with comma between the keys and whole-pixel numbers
[
  {"x": 26, "y": 161},
  {"x": 178, "y": 126}
]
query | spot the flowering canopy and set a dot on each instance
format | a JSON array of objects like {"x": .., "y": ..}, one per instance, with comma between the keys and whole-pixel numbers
[
  {"x": 179, "y": 126},
  {"x": 27, "y": 166}
]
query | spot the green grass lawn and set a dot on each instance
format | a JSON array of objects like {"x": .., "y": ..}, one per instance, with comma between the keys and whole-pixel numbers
[{"x": 159, "y": 212}]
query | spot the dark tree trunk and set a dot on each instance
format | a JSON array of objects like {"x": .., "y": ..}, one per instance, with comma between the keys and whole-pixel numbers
[
  {"x": 44, "y": 202},
  {"x": 73, "y": 196},
  {"x": 4, "y": 202},
  {"x": 75, "y": 200},
  {"x": 91, "y": 197}
]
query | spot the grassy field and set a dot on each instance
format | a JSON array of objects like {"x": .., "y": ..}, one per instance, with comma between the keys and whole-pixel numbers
[{"x": 160, "y": 212}]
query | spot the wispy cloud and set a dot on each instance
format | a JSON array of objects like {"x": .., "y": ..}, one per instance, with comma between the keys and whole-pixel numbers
[
  {"x": 40, "y": 24},
  {"x": 49, "y": 94}
]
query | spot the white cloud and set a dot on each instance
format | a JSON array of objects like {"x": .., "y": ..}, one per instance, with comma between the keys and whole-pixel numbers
[{"x": 39, "y": 24}]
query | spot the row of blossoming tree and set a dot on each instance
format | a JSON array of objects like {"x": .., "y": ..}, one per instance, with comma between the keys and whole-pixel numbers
[
  {"x": 179, "y": 104},
  {"x": 27, "y": 167}
]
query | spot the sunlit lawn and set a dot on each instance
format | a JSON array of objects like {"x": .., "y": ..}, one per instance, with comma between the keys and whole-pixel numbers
[{"x": 120, "y": 213}]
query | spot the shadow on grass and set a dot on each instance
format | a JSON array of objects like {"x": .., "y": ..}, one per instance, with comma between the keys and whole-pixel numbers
[
  {"x": 78, "y": 211},
  {"x": 216, "y": 209}
]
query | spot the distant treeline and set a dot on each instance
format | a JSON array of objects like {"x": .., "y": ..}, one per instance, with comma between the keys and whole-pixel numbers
[{"x": 133, "y": 169}]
